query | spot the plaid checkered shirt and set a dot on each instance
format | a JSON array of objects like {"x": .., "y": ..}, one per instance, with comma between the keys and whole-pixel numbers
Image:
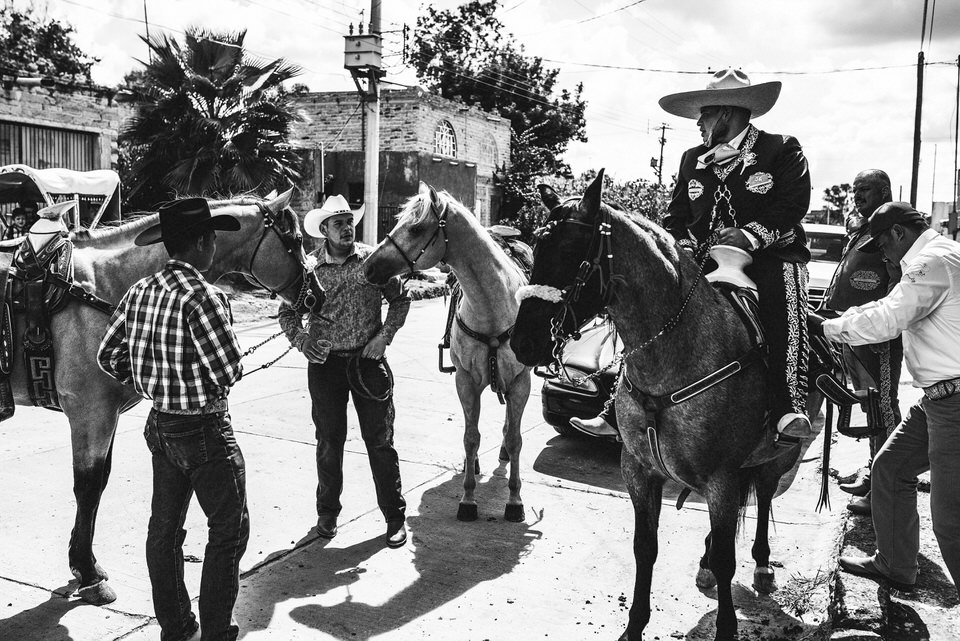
[{"x": 172, "y": 337}]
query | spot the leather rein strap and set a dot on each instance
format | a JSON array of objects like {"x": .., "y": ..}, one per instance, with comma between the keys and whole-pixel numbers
[{"x": 493, "y": 345}]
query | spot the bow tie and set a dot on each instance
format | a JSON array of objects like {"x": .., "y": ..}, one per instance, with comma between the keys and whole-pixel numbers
[{"x": 719, "y": 155}]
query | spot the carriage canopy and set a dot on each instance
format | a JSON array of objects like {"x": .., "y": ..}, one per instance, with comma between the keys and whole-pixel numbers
[{"x": 98, "y": 192}]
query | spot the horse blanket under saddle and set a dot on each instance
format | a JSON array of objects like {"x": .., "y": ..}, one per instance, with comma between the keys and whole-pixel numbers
[{"x": 32, "y": 283}]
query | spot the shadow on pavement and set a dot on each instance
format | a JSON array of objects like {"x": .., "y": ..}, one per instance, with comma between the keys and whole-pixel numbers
[
  {"x": 582, "y": 459},
  {"x": 44, "y": 618},
  {"x": 449, "y": 559},
  {"x": 760, "y": 617}
]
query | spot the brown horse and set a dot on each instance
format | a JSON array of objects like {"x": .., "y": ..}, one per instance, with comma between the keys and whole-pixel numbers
[
  {"x": 267, "y": 250},
  {"x": 676, "y": 329},
  {"x": 436, "y": 227}
]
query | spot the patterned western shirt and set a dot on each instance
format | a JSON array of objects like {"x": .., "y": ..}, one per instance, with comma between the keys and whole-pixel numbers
[
  {"x": 351, "y": 311},
  {"x": 172, "y": 337}
]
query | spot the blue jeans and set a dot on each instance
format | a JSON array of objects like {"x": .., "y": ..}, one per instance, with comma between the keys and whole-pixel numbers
[
  {"x": 329, "y": 391},
  {"x": 196, "y": 455}
]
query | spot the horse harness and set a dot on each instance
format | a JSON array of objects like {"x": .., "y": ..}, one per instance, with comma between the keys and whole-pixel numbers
[
  {"x": 493, "y": 342},
  {"x": 600, "y": 252},
  {"x": 36, "y": 284}
]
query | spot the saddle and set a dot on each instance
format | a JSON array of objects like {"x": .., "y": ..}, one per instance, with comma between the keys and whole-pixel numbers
[{"x": 36, "y": 277}]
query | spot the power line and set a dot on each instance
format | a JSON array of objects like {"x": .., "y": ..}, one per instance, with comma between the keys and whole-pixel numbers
[{"x": 772, "y": 72}]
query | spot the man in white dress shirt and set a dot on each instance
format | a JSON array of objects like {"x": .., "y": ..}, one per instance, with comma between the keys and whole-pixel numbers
[{"x": 925, "y": 307}]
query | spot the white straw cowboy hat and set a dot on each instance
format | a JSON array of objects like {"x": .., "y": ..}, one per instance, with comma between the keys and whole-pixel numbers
[
  {"x": 332, "y": 206},
  {"x": 727, "y": 88}
]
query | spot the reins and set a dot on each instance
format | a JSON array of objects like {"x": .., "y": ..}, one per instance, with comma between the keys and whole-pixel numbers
[{"x": 441, "y": 229}]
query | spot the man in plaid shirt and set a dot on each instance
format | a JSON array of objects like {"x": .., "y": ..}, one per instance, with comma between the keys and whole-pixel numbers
[{"x": 171, "y": 337}]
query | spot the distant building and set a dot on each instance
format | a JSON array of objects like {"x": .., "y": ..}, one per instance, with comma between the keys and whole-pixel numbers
[
  {"x": 70, "y": 127},
  {"x": 423, "y": 137}
]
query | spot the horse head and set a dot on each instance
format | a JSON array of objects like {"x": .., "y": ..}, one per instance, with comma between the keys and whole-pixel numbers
[
  {"x": 418, "y": 241},
  {"x": 272, "y": 256},
  {"x": 567, "y": 286}
]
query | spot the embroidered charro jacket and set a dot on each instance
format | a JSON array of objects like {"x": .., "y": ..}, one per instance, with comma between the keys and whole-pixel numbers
[{"x": 764, "y": 190}]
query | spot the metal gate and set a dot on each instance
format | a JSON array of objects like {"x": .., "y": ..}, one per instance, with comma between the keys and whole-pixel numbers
[{"x": 44, "y": 147}]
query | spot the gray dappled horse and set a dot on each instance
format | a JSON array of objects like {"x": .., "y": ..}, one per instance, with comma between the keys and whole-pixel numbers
[
  {"x": 435, "y": 227},
  {"x": 676, "y": 329},
  {"x": 267, "y": 250}
]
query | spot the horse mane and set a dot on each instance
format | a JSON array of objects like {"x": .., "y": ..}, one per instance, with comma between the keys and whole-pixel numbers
[
  {"x": 105, "y": 236},
  {"x": 418, "y": 213}
]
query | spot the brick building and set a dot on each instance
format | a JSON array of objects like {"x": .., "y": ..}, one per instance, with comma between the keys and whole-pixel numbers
[
  {"x": 73, "y": 128},
  {"x": 422, "y": 138}
]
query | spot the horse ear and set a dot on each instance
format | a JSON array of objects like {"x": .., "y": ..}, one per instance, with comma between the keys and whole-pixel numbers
[
  {"x": 277, "y": 203},
  {"x": 549, "y": 197},
  {"x": 590, "y": 201},
  {"x": 429, "y": 194}
]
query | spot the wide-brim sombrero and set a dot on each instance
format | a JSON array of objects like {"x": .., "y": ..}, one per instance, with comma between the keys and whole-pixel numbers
[{"x": 730, "y": 87}]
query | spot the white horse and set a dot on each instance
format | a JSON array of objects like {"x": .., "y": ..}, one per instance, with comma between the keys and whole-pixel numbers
[{"x": 432, "y": 228}]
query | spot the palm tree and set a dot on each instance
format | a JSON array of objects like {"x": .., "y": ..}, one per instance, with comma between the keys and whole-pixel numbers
[{"x": 210, "y": 121}]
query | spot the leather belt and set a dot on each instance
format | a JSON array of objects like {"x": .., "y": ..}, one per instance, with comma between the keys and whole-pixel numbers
[{"x": 943, "y": 389}]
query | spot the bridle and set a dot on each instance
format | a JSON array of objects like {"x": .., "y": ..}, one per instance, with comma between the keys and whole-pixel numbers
[
  {"x": 599, "y": 258},
  {"x": 293, "y": 244},
  {"x": 441, "y": 229}
]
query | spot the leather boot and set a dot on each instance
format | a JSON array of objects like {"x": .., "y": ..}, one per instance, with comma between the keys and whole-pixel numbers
[
  {"x": 860, "y": 505},
  {"x": 795, "y": 426},
  {"x": 859, "y": 487},
  {"x": 597, "y": 426}
]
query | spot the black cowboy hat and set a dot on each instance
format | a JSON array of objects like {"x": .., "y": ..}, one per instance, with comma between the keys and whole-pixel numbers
[{"x": 185, "y": 218}]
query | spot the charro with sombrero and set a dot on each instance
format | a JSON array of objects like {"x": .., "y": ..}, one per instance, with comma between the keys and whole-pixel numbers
[{"x": 750, "y": 189}]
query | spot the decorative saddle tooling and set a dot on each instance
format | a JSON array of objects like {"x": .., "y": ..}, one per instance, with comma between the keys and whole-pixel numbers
[
  {"x": 36, "y": 281},
  {"x": 522, "y": 255}
]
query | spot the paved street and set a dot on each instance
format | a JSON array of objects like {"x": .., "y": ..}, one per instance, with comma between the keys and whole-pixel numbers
[{"x": 564, "y": 573}]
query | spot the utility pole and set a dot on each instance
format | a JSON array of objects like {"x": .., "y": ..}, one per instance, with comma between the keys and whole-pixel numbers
[
  {"x": 916, "y": 120},
  {"x": 363, "y": 59},
  {"x": 658, "y": 165}
]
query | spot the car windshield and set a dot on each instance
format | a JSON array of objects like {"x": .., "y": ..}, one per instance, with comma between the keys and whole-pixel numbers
[{"x": 825, "y": 247}]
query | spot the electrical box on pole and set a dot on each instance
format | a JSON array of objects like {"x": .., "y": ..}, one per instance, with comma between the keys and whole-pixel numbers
[{"x": 362, "y": 57}]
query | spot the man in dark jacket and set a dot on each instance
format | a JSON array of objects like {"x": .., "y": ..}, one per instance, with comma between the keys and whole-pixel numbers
[
  {"x": 862, "y": 277},
  {"x": 750, "y": 189}
]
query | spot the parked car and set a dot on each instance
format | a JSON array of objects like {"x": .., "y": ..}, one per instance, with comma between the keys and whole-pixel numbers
[
  {"x": 599, "y": 343},
  {"x": 826, "y": 246},
  {"x": 561, "y": 397}
]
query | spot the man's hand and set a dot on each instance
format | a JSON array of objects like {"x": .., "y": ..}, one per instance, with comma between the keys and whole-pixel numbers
[
  {"x": 815, "y": 324},
  {"x": 315, "y": 351},
  {"x": 735, "y": 237},
  {"x": 375, "y": 348}
]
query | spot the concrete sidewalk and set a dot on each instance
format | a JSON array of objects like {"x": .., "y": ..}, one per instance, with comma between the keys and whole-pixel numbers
[{"x": 566, "y": 572}]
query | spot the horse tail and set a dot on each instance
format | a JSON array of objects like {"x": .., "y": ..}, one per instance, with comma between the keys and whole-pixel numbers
[{"x": 749, "y": 480}]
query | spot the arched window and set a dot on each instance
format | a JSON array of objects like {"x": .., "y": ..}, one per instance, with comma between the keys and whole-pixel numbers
[
  {"x": 489, "y": 153},
  {"x": 445, "y": 139}
]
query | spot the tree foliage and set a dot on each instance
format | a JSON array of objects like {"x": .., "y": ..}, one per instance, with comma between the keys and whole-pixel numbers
[
  {"x": 210, "y": 121},
  {"x": 838, "y": 198},
  {"x": 637, "y": 196},
  {"x": 32, "y": 46},
  {"x": 464, "y": 54}
]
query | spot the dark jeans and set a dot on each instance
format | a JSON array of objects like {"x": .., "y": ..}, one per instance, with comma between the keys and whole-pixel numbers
[
  {"x": 196, "y": 454},
  {"x": 329, "y": 391}
]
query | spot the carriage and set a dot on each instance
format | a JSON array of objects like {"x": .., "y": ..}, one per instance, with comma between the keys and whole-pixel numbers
[{"x": 97, "y": 193}]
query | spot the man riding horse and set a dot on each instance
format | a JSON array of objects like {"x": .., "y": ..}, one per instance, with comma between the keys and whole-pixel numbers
[{"x": 750, "y": 189}]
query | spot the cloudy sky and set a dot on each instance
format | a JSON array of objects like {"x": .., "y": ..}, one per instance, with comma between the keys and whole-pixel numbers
[{"x": 848, "y": 67}]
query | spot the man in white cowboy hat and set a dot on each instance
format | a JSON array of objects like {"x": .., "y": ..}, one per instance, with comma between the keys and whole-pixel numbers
[
  {"x": 345, "y": 347},
  {"x": 750, "y": 189}
]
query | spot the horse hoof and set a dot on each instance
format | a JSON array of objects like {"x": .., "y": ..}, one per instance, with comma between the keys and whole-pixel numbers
[
  {"x": 514, "y": 513},
  {"x": 504, "y": 456},
  {"x": 764, "y": 581},
  {"x": 705, "y": 579},
  {"x": 98, "y": 571},
  {"x": 467, "y": 512},
  {"x": 97, "y": 594}
]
